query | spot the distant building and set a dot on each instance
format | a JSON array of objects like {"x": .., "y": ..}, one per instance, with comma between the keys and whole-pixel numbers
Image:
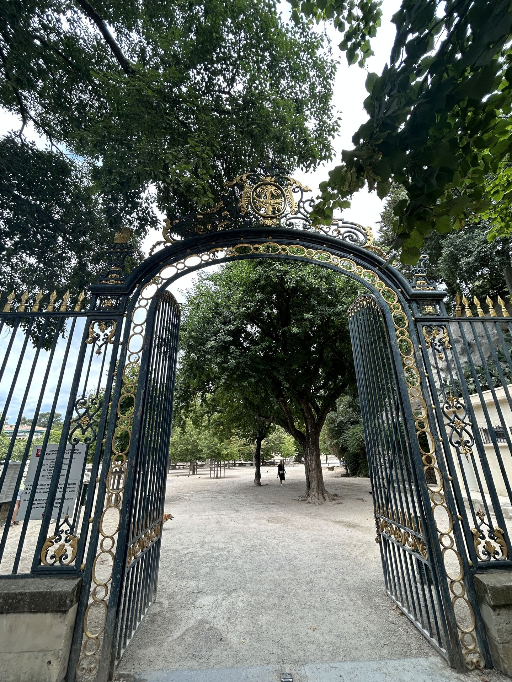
[{"x": 23, "y": 431}]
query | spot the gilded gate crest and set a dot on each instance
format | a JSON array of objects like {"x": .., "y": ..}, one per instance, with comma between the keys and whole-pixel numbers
[{"x": 268, "y": 197}]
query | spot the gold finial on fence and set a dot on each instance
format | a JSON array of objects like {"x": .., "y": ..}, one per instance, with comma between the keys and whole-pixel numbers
[
  {"x": 458, "y": 309},
  {"x": 504, "y": 310},
  {"x": 10, "y": 299},
  {"x": 53, "y": 296},
  {"x": 35, "y": 307},
  {"x": 64, "y": 304},
  {"x": 489, "y": 302},
  {"x": 24, "y": 297},
  {"x": 467, "y": 309},
  {"x": 478, "y": 307},
  {"x": 79, "y": 301}
]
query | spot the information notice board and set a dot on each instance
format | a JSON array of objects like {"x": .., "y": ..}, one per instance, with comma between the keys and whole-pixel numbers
[{"x": 77, "y": 455}]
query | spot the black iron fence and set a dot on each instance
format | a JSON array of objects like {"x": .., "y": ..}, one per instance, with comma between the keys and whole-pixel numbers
[
  {"x": 57, "y": 368},
  {"x": 468, "y": 361}
]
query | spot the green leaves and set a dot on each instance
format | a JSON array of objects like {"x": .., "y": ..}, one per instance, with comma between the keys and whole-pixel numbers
[
  {"x": 213, "y": 88},
  {"x": 262, "y": 332},
  {"x": 356, "y": 21},
  {"x": 439, "y": 119},
  {"x": 371, "y": 79},
  {"x": 50, "y": 215}
]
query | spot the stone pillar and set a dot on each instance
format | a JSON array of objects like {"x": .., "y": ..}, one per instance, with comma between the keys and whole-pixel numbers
[
  {"x": 494, "y": 591},
  {"x": 37, "y": 617}
]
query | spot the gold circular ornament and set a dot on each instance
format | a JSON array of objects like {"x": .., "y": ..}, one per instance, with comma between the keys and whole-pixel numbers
[{"x": 268, "y": 200}]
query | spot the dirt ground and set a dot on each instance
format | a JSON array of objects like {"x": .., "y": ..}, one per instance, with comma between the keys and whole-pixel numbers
[{"x": 251, "y": 576}]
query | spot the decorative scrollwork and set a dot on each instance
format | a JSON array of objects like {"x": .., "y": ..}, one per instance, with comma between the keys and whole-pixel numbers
[
  {"x": 108, "y": 303},
  {"x": 419, "y": 273},
  {"x": 494, "y": 545},
  {"x": 84, "y": 426},
  {"x": 437, "y": 338},
  {"x": 144, "y": 542},
  {"x": 101, "y": 333},
  {"x": 403, "y": 528},
  {"x": 430, "y": 309},
  {"x": 458, "y": 425},
  {"x": 265, "y": 197},
  {"x": 117, "y": 253},
  {"x": 60, "y": 548}
]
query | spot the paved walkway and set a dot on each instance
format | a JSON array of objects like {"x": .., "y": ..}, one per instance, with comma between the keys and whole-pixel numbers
[
  {"x": 404, "y": 670},
  {"x": 254, "y": 583}
]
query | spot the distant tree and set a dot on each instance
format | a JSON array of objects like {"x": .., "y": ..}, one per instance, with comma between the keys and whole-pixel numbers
[
  {"x": 201, "y": 435},
  {"x": 43, "y": 419},
  {"x": 278, "y": 444},
  {"x": 188, "y": 443},
  {"x": 237, "y": 412},
  {"x": 464, "y": 260},
  {"x": 280, "y": 331},
  {"x": 345, "y": 436}
]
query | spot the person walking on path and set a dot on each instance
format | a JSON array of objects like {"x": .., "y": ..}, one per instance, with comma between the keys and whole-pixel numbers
[{"x": 281, "y": 471}]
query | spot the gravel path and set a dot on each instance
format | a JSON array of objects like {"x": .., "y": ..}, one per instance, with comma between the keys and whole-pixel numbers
[{"x": 251, "y": 577}]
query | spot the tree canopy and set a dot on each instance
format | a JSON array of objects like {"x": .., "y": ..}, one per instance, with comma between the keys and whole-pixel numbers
[
  {"x": 464, "y": 260},
  {"x": 179, "y": 95},
  {"x": 345, "y": 436},
  {"x": 438, "y": 114},
  {"x": 276, "y": 331},
  {"x": 51, "y": 223}
]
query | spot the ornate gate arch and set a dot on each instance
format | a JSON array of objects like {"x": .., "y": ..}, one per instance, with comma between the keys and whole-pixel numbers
[{"x": 424, "y": 537}]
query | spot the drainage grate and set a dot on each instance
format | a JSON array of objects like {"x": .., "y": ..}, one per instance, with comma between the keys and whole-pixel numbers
[{"x": 286, "y": 677}]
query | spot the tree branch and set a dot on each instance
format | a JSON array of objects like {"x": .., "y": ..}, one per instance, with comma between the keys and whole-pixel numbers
[
  {"x": 24, "y": 112},
  {"x": 54, "y": 49},
  {"x": 290, "y": 426},
  {"x": 109, "y": 39}
]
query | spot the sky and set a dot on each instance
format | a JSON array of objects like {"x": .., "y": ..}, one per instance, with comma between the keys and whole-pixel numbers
[{"x": 349, "y": 94}]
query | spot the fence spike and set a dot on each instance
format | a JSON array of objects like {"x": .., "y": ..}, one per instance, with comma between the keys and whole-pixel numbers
[
  {"x": 23, "y": 301},
  {"x": 53, "y": 296},
  {"x": 467, "y": 309},
  {"x": 64, "y": 305},
  {"x": 489, "y": 302},
  {"x": 79, "y": 302},
  {"x": 35, "y": 307},
  {"x": 10, "y": 299},
  {"x": 478, "y": 307},
  {"x": 458, "y": 309},
  {"x": 504, "y": 310}
]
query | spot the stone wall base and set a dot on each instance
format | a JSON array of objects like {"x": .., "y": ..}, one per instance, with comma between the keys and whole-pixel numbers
[
  {"x": 37, "y": 617},
  {"x": 494, "y": 591}
]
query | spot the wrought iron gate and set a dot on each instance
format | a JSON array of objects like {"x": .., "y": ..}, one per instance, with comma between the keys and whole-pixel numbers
[
  {"x": 145, "y": 488},
  {"x": 408, "y": 480},
  {"x": 435, "y": 391},
  {"x": 135, "y": 489}
]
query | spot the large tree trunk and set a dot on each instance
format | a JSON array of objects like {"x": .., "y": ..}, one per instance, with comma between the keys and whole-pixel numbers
[
  {"x": 310, "y": 445},
  {"x": 257, "y": 461},
  {"x": 315, "y": 488}
]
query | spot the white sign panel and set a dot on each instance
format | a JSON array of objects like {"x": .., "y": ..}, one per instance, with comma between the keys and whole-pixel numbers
[{"x": 45, "y": 478}]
